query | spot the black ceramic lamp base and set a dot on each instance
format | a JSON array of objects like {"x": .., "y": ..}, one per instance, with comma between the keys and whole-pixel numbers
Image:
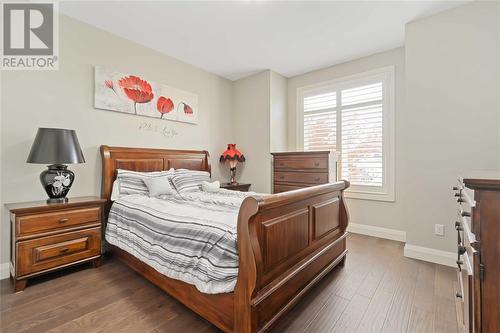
[{"x": 57, "y": 181}]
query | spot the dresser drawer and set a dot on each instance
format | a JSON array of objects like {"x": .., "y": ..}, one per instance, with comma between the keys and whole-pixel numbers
[
  {"x": 50, "y": 252},
  {"x": 301, "y": 163},
  {"x": 301, "y": 177},
  {"x": 284, "y": 188},
  {"x": 46, "y": 222}
]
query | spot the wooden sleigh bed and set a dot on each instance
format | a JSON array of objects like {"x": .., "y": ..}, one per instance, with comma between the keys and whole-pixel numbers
[{"x": 287, "y": 242}]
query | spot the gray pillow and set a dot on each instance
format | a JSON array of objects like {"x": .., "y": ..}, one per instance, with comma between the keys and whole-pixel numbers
[
  {"x": 132, "y": 182},
  {"x": 159, "y": 185}
]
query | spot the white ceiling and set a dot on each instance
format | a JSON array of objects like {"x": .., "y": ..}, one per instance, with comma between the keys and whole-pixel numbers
[{"x": 235, "y": 39}]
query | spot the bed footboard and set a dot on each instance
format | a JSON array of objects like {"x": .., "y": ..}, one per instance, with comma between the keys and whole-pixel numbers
[{"x": 287, "y": 242}]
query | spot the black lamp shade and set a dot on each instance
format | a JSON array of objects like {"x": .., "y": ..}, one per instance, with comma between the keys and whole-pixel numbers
[{"x": 56, "y": 146}]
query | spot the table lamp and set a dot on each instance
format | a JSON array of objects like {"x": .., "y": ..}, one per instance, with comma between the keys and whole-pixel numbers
[
  {"x": 56, "y": 147},
  {"x": 233, "y": 156}
]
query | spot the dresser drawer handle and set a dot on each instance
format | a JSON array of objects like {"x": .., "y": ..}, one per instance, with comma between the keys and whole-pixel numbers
[
  {"x": 64, "y": 250},
  {"x": 459, "y": 295},
  {"x": 282, "y": 164},
  {"x": 281, "y": 177},
  {"x": 62, "y": 221},
  {"x": 316, "y": 164},
  {"x": 465, "y": 214}
]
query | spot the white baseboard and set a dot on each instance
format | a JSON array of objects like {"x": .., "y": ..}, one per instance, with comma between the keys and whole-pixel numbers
[
  {"x": 4, "y": 270},
  {"x": 431, "y": 255},
  {"x": 369, "y": 230}
]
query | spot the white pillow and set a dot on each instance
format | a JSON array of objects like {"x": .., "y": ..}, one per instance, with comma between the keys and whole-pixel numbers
[
  {"x": 189, "y": 180},
  {"x": 159, "y": 185},
  {"x": 210, "y": 187},
  {"x": 132, "y": 182},
  {"x": 115, "y": 192}
]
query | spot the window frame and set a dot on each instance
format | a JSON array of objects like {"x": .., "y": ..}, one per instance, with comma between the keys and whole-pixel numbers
[{"x": 386, "y": 75}]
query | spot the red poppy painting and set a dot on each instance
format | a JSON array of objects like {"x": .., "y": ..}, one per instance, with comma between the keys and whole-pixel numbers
[
  {"x": 164, "y": 105},
  {"x": 188, "y": 110},
  {"x": 136, "y": 89},
  {"x": 135, "y": 94}
]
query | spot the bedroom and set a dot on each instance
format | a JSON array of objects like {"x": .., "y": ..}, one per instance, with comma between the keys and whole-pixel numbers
[{"x": 419, "y": 79}]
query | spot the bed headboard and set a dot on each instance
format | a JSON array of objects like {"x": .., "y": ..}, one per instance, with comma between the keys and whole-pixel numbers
[{"x": 147, "y": 159}]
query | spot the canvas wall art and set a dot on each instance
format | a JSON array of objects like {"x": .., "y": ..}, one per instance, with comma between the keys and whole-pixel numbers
[{"x": 136, "y": 95}]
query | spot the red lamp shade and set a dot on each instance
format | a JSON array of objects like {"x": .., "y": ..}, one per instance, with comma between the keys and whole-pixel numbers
[{"x": 232, "y": 154}]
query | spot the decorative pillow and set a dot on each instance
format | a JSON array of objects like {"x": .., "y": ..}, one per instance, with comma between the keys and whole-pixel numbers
[
  {"x": 210, "y": 187},
  {"x": 132, "y": 182},
  {"x": 189, "y": 180},
  {"x": 159, "y": 185}
]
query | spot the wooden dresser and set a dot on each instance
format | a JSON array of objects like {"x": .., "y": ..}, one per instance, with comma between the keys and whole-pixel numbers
[
  {"x": 46, "y": 237},
  {"x": 478, "y": 228},
  {"x": 294, "y": 170}
]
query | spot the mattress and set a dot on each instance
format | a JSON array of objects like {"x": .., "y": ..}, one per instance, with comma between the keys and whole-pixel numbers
[{"x": 189, "y": 237}]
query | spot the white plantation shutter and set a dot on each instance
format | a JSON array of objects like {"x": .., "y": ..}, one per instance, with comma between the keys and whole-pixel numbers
[
  {"x": 363, "y": 94},
  {"x": 362, "y": 135},
  {"x": 355, "y": 118},
  {"x": 320, "y": 122}
]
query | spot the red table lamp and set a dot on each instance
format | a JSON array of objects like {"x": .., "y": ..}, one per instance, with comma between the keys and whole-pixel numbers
[{"x": 234, "y": 156}]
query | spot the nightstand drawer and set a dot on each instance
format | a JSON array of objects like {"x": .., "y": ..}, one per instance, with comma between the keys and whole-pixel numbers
[
  {"x": 46, "y": 222},
  {"x": 236, "y": 187},
  {"x": 50, "y": 252}
]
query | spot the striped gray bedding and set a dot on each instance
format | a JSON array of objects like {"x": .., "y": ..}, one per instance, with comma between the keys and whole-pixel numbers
[{"x": 189, "y": 237}]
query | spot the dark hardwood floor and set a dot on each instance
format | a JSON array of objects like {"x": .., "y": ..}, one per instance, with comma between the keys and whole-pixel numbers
[{"x": 378, "y": 290}]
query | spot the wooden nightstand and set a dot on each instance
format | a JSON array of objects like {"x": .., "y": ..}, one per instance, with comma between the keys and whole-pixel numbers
[
  {"x": 236, "y": 187},
  {"x": 46, "y": 237}
]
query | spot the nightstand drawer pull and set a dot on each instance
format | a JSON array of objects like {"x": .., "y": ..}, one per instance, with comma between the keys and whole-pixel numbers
[
  {"x": 62, "y": 221},
  {"x": 64, "y": 250}
]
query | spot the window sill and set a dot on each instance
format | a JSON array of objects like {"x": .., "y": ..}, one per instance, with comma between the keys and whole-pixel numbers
[{"x": 372, "y": 196}]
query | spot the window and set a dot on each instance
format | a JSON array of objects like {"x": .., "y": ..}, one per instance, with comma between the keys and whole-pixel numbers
[{"x": 353, "y": 117}]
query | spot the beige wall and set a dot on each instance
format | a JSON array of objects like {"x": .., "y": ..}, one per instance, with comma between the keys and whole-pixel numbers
[
  {"x": 452, "y": 84},
  {"x": 64, "y": 98},
  {"x": 447, "y": 105},
  {"x": 446, "y": 80},
  {"x": 251, "y": 105},
  {"x": 375, "y": 213},
  {"x": 260, "y": 125},
  {"x": 278, "y": 120}
]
